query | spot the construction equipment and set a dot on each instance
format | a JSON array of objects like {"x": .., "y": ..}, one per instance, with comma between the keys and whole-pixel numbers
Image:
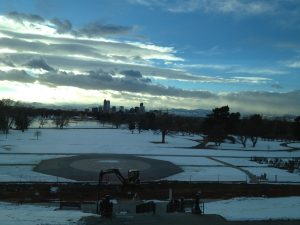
[
  {"x": 105, "y": 207},
  {"x": 133, "y": 176},
  {"x": 198, "y": 206}
]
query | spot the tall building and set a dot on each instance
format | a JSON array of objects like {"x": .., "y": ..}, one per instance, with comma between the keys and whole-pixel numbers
[
  {"x": 121, "y": 109},
  {"x": 142, "y": 108},
  {"x": 113, "y": 109},
  {"x": 106, "y": 106}
]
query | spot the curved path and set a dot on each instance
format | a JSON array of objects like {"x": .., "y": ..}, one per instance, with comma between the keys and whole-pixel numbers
[
  {"x": 87, "y": 167},
  {"x": 253, "y": 178}
]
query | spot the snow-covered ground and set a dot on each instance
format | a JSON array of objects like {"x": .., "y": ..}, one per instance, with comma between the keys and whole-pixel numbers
[
  {"x": 26, "y": 159},
  {"x": 76, "y": 141},
  {"x": 26, "y": 173},
  {"x": 294, "y": 145},
  {"x": 209, "y": 174},
  {"x": 260, "y": 145},
  {"x": 256, "y": 208},
  {"x": 20, "y": 148},
  {"x": 187, "y": 160},
  {"x": 12, "y": 214},
  {"x": 274, "y": 174},
  {"x": 241, "y": 162}
]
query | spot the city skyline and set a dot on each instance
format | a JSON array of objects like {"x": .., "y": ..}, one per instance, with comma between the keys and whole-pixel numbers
[{"x": 191, "y": 54}]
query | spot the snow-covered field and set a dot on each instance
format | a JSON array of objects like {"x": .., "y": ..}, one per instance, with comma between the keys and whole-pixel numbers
[
  {"x": 19, "y": 152},
  {"x": 26, "y": 173},
  {"x": 12, "y": 214},
  {"x": 209, "y": 174},
  {"x": 256, "y": 208},
  {"x": 294, "y": 145},
  {"x": 261, "y": 145},
  {"x": 274, "y": 174},
  {"x": 187, "y": 160}
]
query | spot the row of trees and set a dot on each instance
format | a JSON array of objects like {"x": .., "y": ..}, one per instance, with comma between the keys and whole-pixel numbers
[
  {"x": 12, "y": 113},
  {"x": 18, "y": 116},
  {"x": 219, "y": 125}
]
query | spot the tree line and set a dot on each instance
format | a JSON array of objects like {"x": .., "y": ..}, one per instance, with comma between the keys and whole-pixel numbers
[{"x": 218, "y": 126}]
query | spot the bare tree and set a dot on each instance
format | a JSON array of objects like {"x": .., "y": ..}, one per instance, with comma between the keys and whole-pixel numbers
[
  {"x": 43, "y": 121},
  {"x": 37, "y": 133},
  {"x": 6, "y": 115},
  {"x": 61, "y": 121}
]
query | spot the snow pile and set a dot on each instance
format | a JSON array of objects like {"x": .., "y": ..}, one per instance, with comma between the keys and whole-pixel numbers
[
  {"x": 12, "y": 214},
  {"x": 256, "y": 208}
]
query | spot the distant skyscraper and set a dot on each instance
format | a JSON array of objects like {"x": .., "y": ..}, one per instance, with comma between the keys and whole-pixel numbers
[
  {"x": 121, "y": 109},
  {"x": 142, "y": 108},
  {"x": 106, "y": 105},
  {"x": 113, "y": 109}
]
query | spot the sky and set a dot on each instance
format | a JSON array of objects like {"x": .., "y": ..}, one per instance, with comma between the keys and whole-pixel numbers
[{"x": 192, "y": 54}]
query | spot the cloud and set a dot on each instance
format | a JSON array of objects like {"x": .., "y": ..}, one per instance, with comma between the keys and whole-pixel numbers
[
  {"x": 259, "y": 71},
  {"x": 132, "y": 73},
  {"x": 264, "y": 102},
  {"x": 16, "y": 75},
  {"x": 101, "y": 80},
  {"x": 293, "y": 64},
  {"x": 6, "y": 61},
  {"x": 98, "y": 29},
  {"x": 252, "y": 79},
  {"x": 21, "y": 17},
  {"x": 276, "y": 86},
  {"x": 126, "y": 88},
  {"x": 39, "y": 63},
  {"x": 239, "y": 6},
  {"x": 62, "y": 26},
  {"x": 84, "y": 61},
  {"x": 205, "y": 66},
  {"x": 80, "y": 55},
  {"x": 93, "y": 29},
  {"x": 223, "y": 6}
]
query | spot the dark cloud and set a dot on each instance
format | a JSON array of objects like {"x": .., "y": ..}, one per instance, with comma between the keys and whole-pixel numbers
[
  {"x": 132, "y": 73},
  {"x": 101, "y": 75},
  {"x": 20, "y": 17},
  {"x": 6, "y": 61},
  {"x": 65, "y": 26},
  {"x": 99, "y": 29},
  {"x": 56, "y": 49},
  {"x": 251, "y": 101},
  {"x": 101, "y": 80},
  {"x": 62, "y": 26},
  {"x": 265, "y": 102},
  {"x": 16, "y": 75},
  {"x": 276, "y": 86},
  {"x": 39, "y": 63}
]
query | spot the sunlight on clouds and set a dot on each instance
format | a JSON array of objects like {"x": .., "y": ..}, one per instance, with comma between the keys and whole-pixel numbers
[
  {"x": 6, "y": 68},
  {"x": 75, "y": 72},
  {"x": 60, "y": 63},
  {"x": 25, "y": 26},
  {"x": 32, "y": 71},
  {"x": 40, "y": 93},
  {"x": 5, "y": 36},
  {"x": 7, "y": 50}
]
